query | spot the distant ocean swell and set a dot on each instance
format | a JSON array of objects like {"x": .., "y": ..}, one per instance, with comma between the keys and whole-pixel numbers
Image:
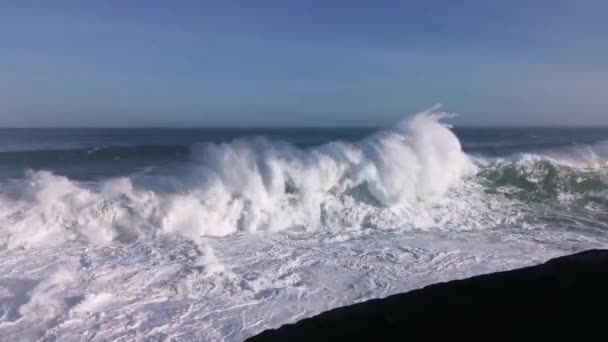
[{"x": 414, "y": 175}]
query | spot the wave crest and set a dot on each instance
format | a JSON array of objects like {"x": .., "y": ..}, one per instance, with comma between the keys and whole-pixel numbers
[
  {"x": 573, "y": 173},
  {"x": 247, "y": 184}
]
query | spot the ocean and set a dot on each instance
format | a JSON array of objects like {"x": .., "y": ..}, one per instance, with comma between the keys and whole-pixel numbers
[{"x": 218, "y": 234}]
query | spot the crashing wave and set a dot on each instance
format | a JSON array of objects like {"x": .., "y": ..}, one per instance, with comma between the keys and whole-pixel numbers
[
  {"x": 245, "y": 185},
  {"x": 566, "y": 173}
]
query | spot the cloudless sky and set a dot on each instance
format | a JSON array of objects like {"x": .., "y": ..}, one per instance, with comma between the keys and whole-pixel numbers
[{"x": 302, "y": 63}]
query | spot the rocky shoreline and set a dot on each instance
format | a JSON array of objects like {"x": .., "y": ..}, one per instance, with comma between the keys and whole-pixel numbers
[{"x": 562, "y": 297}]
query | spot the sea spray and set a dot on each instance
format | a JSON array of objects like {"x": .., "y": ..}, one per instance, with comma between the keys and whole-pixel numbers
[{"x": 246, "y": 185}]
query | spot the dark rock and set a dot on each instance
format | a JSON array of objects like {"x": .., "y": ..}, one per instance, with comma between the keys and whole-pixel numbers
[{"x": 563, "y": 298}]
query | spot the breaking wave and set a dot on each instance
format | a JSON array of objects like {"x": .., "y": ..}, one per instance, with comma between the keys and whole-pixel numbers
[
  {"x": 245, "y": 185},
  {"x": 565, "y": 173},
  {"x": 414, "y": 175}
]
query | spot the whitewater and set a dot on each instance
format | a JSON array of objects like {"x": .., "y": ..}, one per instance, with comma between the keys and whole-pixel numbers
[{"x": 249, "y": 233}]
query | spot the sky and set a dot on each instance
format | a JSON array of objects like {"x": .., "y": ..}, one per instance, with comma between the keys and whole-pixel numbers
[{"x": 301, "y": 63}]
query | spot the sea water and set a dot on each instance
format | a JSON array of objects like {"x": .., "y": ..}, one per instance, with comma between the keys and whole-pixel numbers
[{"x": 218, "y": 234}]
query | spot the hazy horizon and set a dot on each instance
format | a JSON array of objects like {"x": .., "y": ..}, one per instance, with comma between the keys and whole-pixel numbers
[
  {"x": 293, "y": 64},
  {"x": 304, "y": 127}
]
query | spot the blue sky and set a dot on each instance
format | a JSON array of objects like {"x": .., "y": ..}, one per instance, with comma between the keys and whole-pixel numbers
[{"x": 302, "y": 63}]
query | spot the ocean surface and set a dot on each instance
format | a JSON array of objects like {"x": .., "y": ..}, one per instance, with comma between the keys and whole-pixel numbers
[{"x": 218, "y": 234}]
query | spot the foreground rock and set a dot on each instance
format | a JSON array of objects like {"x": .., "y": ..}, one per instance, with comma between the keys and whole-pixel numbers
[{"x": 565, "y": 297}]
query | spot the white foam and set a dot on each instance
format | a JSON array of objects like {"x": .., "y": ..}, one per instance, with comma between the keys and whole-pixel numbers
[
  {"x": 230, "y": 288},
  {"x": 46, "y": 301},
  {"x": 590, "y": 157},
  {"x": 393, "y": 212},
  {"x": 93, "y": 302},
  {"x": 250, "y": 185}
]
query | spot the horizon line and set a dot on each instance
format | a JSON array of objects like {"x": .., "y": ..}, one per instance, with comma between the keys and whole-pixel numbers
[{"x": 600, "y": 126}]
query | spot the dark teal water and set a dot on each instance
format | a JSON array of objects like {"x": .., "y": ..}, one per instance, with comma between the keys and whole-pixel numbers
[{"x": 85, "y": 153}]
